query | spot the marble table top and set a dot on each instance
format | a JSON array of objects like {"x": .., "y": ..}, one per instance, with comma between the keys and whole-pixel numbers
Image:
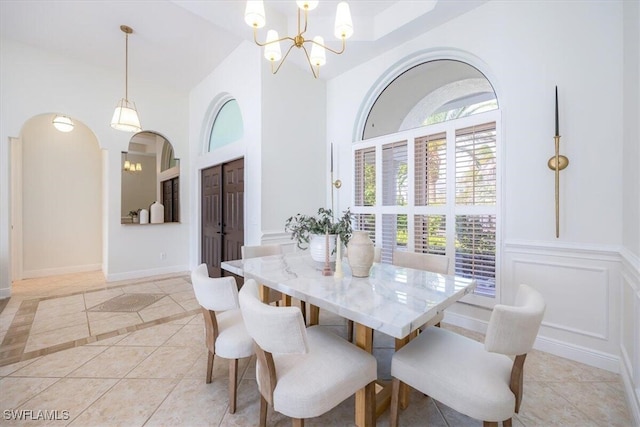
[{"x": 393, "y": 300}]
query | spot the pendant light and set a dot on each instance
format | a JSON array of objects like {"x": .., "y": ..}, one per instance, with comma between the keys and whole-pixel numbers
[{"x": 125, "y": 117}]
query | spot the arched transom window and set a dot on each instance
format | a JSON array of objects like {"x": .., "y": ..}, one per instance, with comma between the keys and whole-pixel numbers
[{"x": 227, "y": 126}]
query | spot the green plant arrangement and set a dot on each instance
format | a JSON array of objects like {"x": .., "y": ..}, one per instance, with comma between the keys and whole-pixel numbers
[
  {"x": 303, "y": 226},
  {"x": 133, "y": 214}
]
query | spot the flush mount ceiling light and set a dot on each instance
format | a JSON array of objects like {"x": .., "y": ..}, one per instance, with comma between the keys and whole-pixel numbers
[
  {"x": 125, "y": 117},
  {"x": 62, "y": 123},
  {"x": 255, "y": 17}
]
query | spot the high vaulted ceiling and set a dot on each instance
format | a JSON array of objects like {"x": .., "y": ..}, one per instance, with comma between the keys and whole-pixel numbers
[{"x": 178, "y": 43}]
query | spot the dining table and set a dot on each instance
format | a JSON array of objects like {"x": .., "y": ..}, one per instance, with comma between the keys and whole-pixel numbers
[{"x": 392, "y": 300}]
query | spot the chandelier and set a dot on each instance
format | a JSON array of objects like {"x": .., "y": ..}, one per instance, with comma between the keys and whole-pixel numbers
[
  {"x": 131, "y": 166},
  {"x": 125, "y": 117},
  {"x": 255, "y": 17}
]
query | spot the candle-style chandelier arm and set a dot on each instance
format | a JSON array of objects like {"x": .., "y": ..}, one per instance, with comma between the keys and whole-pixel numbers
[
  {"x": 255, "y": 39},
  {"x": 315, "y": 75},
  {"x": 337, "y": 52},
  {"x": 282, "y": 60}
]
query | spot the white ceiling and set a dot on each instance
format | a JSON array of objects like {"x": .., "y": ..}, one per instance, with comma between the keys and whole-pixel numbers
[{"x": 178, "y": 43}]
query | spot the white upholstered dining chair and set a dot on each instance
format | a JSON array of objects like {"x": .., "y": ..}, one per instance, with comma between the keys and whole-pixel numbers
[
  {"x": 482, "y": 381},
  {"x": 429, "y": 262},
  {"x": 225, "y": 333},
  {"x": 302, "y": 373}
]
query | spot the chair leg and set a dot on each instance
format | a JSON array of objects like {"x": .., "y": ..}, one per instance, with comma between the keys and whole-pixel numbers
[
  {"x": 210, "y": 357},
  {"x": 263, "y": 411},
  {"x": 395, "y": 402},
  {"x": 303, "y": 309},
  {"x": 233, "y": 384},
  {"x": 350, "y": 330},
  {"x": 297, "y": 422}
]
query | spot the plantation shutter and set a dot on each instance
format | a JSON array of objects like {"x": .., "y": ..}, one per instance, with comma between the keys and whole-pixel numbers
[
  {"x": 394, "y": 174},
  {"x": 431, "y": 170},
  {"x": 394, "y": 235},
  {"x": 476, "y": 165},
  {"x": 365, "y": 177},
  {"x": 366, "y": 222},
  {"x": 476, "y": 186},
  {"x": 430, "y": 234}
]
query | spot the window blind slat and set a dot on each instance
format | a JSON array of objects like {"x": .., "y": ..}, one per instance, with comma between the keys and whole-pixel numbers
[
  {"x": 430, "y": 234},
  {"x": 365, "y": 177},
  {"x": 431, "y": 170},
  {"x": 394, "y": 174}
]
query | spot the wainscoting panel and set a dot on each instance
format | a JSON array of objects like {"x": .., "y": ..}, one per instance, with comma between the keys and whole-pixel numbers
[
  {"x": 577, "y": 296},
  {"x": 582, "y": 288}
]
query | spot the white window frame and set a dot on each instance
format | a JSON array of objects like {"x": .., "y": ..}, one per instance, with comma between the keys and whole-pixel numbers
[{"x": 449, "y": 128}]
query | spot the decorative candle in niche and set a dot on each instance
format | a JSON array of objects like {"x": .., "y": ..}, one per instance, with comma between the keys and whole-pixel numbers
[
  {"x": 157, "y": 213},
  {"x": 144, "y": 216}
]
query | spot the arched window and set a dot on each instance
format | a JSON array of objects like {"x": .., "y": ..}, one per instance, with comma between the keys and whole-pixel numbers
[
  {"x": 227, "y": 126},
  {"x": 426, "y": 170}
]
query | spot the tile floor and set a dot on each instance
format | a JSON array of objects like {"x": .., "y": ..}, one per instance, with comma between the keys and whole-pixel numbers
[{"x": 78, "y": 351}]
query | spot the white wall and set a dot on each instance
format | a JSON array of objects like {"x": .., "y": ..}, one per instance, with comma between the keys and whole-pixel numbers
[
  {"x": 525, "y": 49},
  {"x": 293, "y": 147},
  {"x": 62, "y": 199},
  {"x": 33, "y": 82}
]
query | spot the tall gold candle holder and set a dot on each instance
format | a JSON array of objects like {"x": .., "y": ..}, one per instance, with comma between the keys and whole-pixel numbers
[{"x": 557, "y": 163}]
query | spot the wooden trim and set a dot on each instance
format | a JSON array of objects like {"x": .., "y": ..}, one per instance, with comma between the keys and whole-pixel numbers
[
  {"x": 233, "y": 384},
  {"x": 515, "y": 384},
  {"x": 267, "y": 373},
  {"x": 395, "y": 402},
  {"x": 211, "y": 334},
  {"x": 264, "y": 406}
]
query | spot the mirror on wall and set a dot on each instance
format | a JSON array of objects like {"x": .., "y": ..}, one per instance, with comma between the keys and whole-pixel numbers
[{"x": 150, "y": 181}]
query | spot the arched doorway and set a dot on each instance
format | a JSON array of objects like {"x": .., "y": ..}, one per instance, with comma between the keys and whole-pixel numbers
[{"x": 57, "y": 200}]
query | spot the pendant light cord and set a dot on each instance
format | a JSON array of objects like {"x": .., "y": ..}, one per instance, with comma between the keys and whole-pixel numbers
[{"x": 126, "y": 66}]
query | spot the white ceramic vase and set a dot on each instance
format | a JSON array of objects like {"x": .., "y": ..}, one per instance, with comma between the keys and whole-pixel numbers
[
  {"x": 317, "y": 245},
  {"x": 360, "y": 254},
  {"x": 157, "y": 213}
]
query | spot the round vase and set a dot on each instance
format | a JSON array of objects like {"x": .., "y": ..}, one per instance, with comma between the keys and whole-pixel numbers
[
  {"x": 360, "y": 254},
  {"x": 318, "y": 244}
]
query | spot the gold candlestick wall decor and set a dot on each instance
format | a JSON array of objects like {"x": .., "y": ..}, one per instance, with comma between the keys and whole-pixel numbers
[
  {"x": 334, "y": 184},
  {"x": 557, "y": 163}
]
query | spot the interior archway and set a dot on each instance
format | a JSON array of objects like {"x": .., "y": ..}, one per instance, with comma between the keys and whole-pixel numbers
[{"x": 60, "y": 198}]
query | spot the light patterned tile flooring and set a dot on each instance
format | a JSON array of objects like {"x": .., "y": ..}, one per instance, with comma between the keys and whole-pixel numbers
[{"x": 71, "y": 366}]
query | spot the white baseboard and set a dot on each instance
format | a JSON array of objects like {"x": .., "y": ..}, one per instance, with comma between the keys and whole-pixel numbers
[
  {"x": 598, "y": 359},
  {"x": 580, "y": 354},
  {"x": 5, "y": 293},
  {"x": 57, "y": 271},
  {"x": 114, "y": 277}
]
